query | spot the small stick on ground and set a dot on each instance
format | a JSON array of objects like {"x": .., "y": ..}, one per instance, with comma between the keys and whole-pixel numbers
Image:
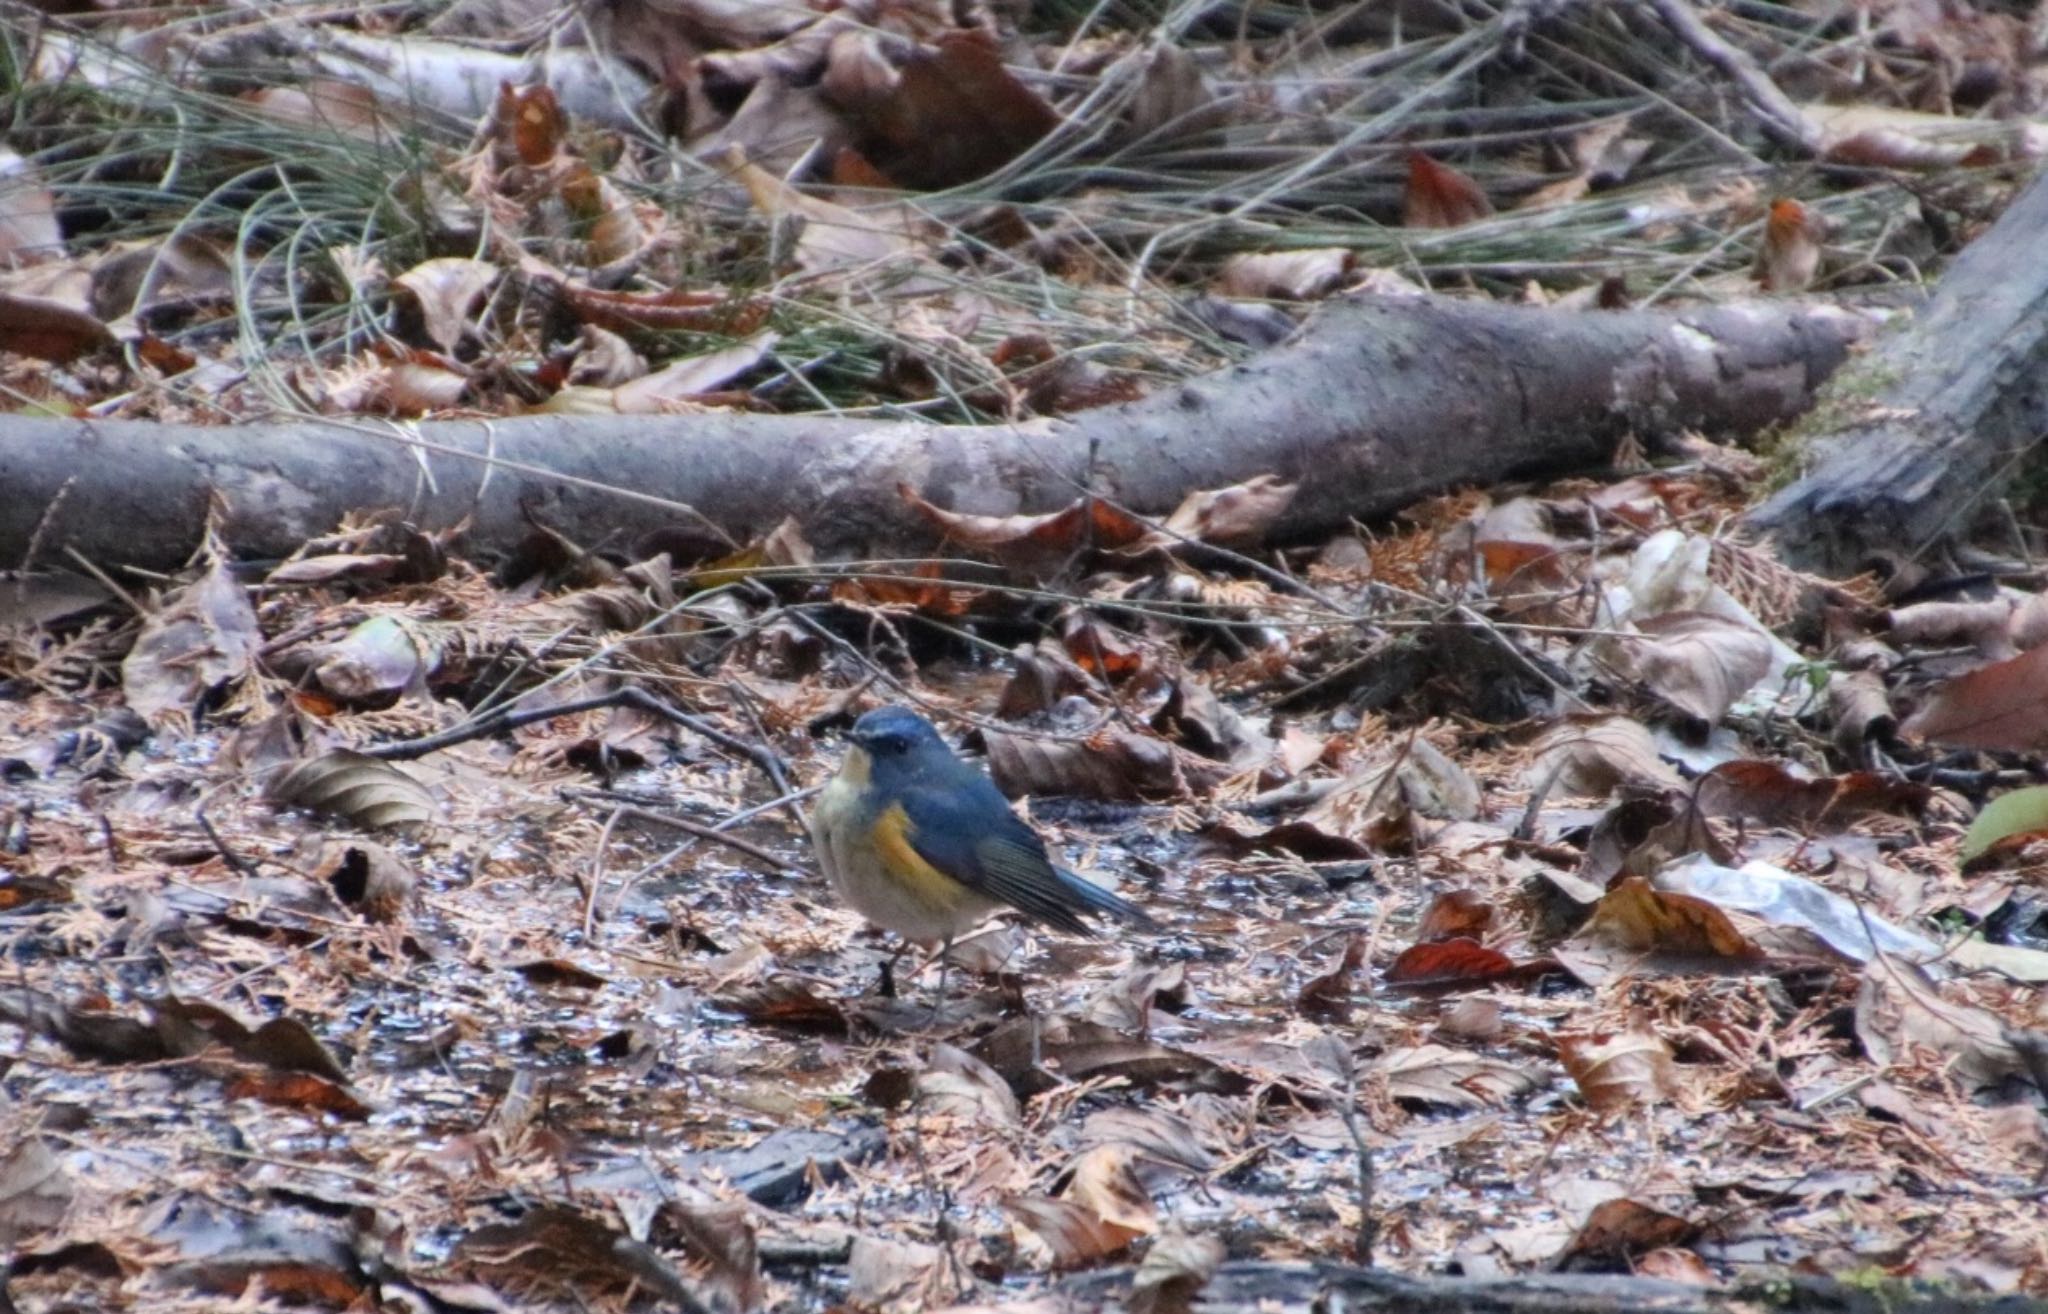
[{"x": 503, "y": 719}]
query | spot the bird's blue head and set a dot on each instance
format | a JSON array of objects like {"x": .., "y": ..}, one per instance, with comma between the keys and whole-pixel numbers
[{"x": 897, "y": 737}]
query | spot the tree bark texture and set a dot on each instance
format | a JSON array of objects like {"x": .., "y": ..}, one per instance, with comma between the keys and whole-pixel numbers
[
  {"x": 1933, "y": 421},
  {"x": 1375, "y": 403}
]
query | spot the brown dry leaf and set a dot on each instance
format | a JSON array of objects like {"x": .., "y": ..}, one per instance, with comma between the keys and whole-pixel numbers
[
  {"x": 612, "y": 227},
  {"x": 1175, "y": 1269},
  {"x": 1075, "y": 1235},
  {"x": 48, "y": 328},
  {"x": 1672, "y": 1265},
  {"x": 1110, "y": 763},
  {"x": 556, "y": 1244},
  {"x": 960, "y": 1085},
  {"x": 1637, "y": 928},
  {"x": 413, "y": 384},
  {"x": 951, "y": 113},
  {"x": 1238, "y": 515},
  {"x": 666, "y": 389},
  {"x": 1104, "y": 1180},
  {"x": 1439, "y": 196},
  {"x": 530, "y": 122},
  {"x": 925, "y": 591},
  {"x": 1454, "y": 1078},
  {"x": 898, "y": 1277},
  {"x": 1459, "y": 961},
  {"x": 1766, "y": 792},
  {"x": 1158, "y": 1136},
  {"x": 603, "y": 359},
  {"x": 1636, "y": 917},
  {"x": 1900, "y": 1008},
  {"x": 1595, "y": 756},
  {"x": 1032, "y": 544},
  {"x": 297, "y": 1090},
  {"x": 1790, "y": 256},
  {"x": 2003, "y": 706},
  {"x": 346, "y": 108},
  {"x": 719, "y": 1238},
  {"x": 1617, "y": 1230},
  {"x": 1455, "y": 913},
  {"x": 1373, "y": 804},
  {"x": 369, "y": 878},
  {"x": 1041, "y": 675},
  {"x": 205, "y": 635},
  {"x": 357, "y": 788},
  {"x": 35, "y": 1191},
  {"x": 379, "y": 660},
  {"x": 836, "y": 239},
  {"x": 676, "y": 310},
  {"x": 1697, "y": 662},
  {"x": 1616, "y": 1070},
  {"x": 1331, "y": 992},
  {"x": 447, "y": 291},
  {"x": 1286, "y": 275},
  {"x": 1886, "y": 136},
  {"x": 1986, "y": 626}
]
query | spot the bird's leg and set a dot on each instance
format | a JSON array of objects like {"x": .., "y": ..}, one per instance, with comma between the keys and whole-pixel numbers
[
  {"x": 945, "y": 965},
  {"x": 887, "y": 985}
]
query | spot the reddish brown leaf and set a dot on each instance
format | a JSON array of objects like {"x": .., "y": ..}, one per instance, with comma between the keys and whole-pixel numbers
[
  {"x": 298, "y": 1090},
  {"x": 531, "y": 121},
  {"x": 1441, "y": 197},
  {"x": 2003, "y": 706},
  {"x": 953, "y": 114},
  {"x": 1455, "y": 913},
  {"x": 1449, "y": 962},
  {"x": 1766, "y": 792},
  {"x": 1791, "y": 250},
  {"x": 677, "y": 310}
]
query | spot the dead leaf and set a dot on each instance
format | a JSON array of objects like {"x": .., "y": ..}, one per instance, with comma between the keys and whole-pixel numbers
[
  {"x": 371, "y": 879},
  {"x": 1440, "y": 197},
  {"x": 2003, "y": 706},
  {"x": 660, "y": 392},
  {"x": 898, "y": 1277},
  {"x": 357, "y": 788},
  {"x": 1791, "y": 251},
  {"x": 205, "y": 635},
  {"x": 1900, "y": 1008},
  {"x": 1454, "y": 1078},
  {"x": 447, "y": 290},
  {"x": 1173, "y": 1273},
  {"x": 950, "y": 114},
  {"x": 1075, "y": 1235},
  {"x": 1697, "y": 662},
  {"x": 1616, "y": 1070},
  {"x": 556, "y": 1244},
  {"x": 1240, "y": 515},
  {"x": 1110, "y": 763},
  {"x": 1458, "y": 961},
  {"x": 1592, "y": 757},
  {"x": 1304, "y": 275}
]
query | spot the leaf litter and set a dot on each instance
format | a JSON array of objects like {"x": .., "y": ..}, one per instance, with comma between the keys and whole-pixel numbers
[{"x": 1539, "y": 892}]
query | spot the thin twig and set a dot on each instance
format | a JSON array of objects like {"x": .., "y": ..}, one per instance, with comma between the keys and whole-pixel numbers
[
  {"x": 503, "y": 719},
  {"x": 674, "y": 822},
  {"x": 1780, "y": 119}
]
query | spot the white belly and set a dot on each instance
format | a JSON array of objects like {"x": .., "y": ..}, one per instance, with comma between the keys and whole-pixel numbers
[{"x": 839, "y": 825}]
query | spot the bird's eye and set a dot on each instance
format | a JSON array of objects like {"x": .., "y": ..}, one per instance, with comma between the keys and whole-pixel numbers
[{"x": 891, "y": 744}]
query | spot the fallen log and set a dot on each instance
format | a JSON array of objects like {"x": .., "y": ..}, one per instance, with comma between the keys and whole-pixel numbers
[
  {"x": 1929, "y": 425},
  {"x": 1375, "y": 403}
]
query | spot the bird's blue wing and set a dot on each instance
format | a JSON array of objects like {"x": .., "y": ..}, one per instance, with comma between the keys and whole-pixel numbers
[{"x": 965, "y": 829}]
